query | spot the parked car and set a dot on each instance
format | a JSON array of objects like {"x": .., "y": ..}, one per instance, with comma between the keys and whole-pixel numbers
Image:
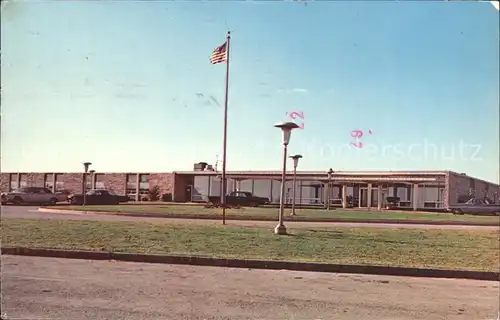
[
  {"x": 97, "y": 197},
  {"x": 392, "y": 202},
  {"x": 29, "y": 195},
  {"x": 62, "y": 195},
  {"x": 241, "y": 198},
  {"x": 476, "y": 207}
]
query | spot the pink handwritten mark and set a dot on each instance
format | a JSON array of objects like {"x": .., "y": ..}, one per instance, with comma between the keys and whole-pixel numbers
[
  {"x": 297, "y": 114},
  {"x": 358, "y": 134}
]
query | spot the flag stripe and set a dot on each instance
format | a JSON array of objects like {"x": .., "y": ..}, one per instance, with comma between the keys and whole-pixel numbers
[{"x": 219, "y": 55}]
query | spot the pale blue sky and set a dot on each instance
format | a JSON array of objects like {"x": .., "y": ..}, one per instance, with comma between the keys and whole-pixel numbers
[{"x": 116, "y": 83}]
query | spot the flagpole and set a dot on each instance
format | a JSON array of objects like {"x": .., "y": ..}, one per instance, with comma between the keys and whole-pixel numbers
[{"x": 224, "y": 143}]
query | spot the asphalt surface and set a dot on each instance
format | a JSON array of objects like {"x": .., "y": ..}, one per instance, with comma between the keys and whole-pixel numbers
[
  {"x": 50, "y": 288},
  {"x": 31, "y": 212}
]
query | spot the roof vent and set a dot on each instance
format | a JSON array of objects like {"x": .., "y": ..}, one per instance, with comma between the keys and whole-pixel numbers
[{"x": 200, "y": 166}]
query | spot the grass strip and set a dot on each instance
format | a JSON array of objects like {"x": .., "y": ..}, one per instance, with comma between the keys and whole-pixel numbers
[{"x": 446, "y": 249}]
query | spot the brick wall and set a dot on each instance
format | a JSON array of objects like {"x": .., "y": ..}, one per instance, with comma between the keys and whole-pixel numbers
[
  {"x": 4, "y": 182},
  {"x": 163, "y": 180},
  {"x": 71, "y": 181},
  {"x": 462, "y": 185},
  {"x": 35, "y": 179},
  {"x": 116, "y": 182},
  {"x": 446, "y": 196}
]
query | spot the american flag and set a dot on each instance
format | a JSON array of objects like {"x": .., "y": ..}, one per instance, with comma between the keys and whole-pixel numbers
[{"x": 219, "y": 55}]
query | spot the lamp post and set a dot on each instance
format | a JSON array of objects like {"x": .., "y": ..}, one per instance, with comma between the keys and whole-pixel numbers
[
  {"x": 286, "y": 128},
  {"x": 295, "y": 164},
  {"x": 92, "y": 179},
  {"x": 330, "y": 174},
  {"x": 86, "y": 166}
]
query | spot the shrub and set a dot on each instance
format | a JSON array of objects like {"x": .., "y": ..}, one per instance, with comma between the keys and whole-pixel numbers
[
  {"x": 167, "y": 197},
  {"x": 154, "y": 193}
]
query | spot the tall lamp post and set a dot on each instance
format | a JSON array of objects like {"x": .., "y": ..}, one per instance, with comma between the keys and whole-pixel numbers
[
  {"x": 92, "y": 179},
  {"x": 286, "y": 128},
  {"x": 330, "y": 174},
  {"x": 86, "y": 166},
  {"x": 295, "y": 164}
]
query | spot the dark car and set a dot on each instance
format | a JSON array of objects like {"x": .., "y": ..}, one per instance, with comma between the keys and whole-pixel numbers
[
  {"x": 241, "y": 198},
  {"x": 97, "y": 197}
]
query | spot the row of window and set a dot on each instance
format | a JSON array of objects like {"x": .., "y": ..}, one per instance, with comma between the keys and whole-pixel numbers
[
  {"x": 55, "y": 183},
  {"x": 51, "y": 181},
  {"x": 132, "y": 180},
  {"x": 309, "y": 191},
  {"x": 97, "y": 183}
]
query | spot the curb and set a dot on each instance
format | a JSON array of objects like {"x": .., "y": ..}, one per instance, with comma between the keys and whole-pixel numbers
[
  {"x": 255, "y": 218},
  {"x": 254, "y": 264}
]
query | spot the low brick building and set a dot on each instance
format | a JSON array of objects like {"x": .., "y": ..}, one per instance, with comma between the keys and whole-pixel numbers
[
  {"x": 416, "y": 189},
  {"x": 136, "y": 185}
]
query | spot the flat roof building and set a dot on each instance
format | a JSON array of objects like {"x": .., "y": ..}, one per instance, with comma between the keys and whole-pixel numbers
[{"x": 418, "y": 190}]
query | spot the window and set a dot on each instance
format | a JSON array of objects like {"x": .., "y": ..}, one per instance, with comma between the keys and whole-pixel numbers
[
  {"x": 472, "y": 184},
  {"x": 131, "y": 186},
  {"x": 463, "y": 198},
  {"x": 45, "y": 190},
  {"x": 23, "y": 180},
  {"x": 34, "y": 190},
  {"x": 99, "y": 181},
  {"x": 88, "y": 182},
  {"x": 13, "y": 182},
  {"x": 242, "y": 194},
  {"x": 478, "y": 202},
  {"x": 58, "y": 181},
  {"x": 102, "y": 193},
  {"x": 144, "y": 184},
  {"x": 49, "y": 181}
]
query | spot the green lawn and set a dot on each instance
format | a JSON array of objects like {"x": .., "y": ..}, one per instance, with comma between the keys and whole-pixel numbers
[
  {"x": 450, "y": 249},
  {"x": 303, "y": 214}
]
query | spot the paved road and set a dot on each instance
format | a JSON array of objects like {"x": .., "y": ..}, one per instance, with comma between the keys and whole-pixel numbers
[
  {"x": 50, "y": 288},
  {"x": 32, "y": 213}
]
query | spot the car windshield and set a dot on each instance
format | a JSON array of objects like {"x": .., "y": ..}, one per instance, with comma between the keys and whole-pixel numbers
[{"x": 21, "y": 190}]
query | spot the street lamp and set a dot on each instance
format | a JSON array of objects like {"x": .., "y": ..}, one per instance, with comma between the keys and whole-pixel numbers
[
  {"x": 86, "y": 166},
  {"x": 295, "y": 164},
  {"x": 92, "y": 179},
  {"x": 286, "y": 128},
  {"x": 330, "y": 174}
]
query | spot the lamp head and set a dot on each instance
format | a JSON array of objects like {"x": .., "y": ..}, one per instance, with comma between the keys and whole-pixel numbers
[
  {"x": 86, "y": 165},
  {"x": 296, "y": 158},
  {"x": 330, "y": 173},
  {"x": 286, "y": 128}
]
